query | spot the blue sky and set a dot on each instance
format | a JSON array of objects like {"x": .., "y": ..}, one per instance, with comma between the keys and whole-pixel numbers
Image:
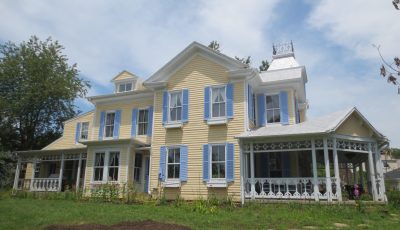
[{"x": 332, "y": 38}]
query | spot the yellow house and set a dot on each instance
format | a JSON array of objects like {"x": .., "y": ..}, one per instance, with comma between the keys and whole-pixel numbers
[{"x": 206, "y": 125}]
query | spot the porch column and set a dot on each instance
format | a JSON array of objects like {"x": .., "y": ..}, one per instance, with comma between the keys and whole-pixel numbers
[
  {"x": 34, "y": 162},
  {"x": 379, "y": 168},
  {"x": 315, "y": 172},
  {"x": 78, "y": 174},
  {"x": 372, "y": 172},
  {"x": 61, "y": 172},
  {"x": 253, "y": 186},
  {"x": 327, "y": 170},
  {"x": 336, "y": 168},
  {"x": 17, "y": 171}
]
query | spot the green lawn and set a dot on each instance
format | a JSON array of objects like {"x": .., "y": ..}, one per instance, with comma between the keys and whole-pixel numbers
[{"x": 20, "y": 213}]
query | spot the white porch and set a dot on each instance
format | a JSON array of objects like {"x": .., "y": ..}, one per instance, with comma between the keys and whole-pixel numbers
[
  {"x": 314, "y": 168},
  {"x": 50, "y": 171}
]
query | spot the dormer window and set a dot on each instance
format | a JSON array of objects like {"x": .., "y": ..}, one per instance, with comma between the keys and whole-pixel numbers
[
  {"x": 273, "y": 109},
  {"x": 124, "y": 87}
]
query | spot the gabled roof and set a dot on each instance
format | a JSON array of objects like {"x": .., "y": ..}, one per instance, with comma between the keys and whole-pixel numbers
[
  {"x": 131, "y": 75},
  {"x": 163, "y": 74},
  {"x": 323, "y": 125}
]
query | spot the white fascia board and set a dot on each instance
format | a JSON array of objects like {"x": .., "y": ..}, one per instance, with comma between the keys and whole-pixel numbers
[{"x": 119, "y": 97}]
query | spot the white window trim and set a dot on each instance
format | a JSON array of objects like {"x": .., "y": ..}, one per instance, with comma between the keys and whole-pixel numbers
[
  {"x": 105, "y": 122},
  {"x": 124, "y": 82},
  {"x": 265, "y": 115},
  {"x": 105, "y": 167},
  {"x": 169, "y": 106},
  {"x": 172, "y": 182},
  {"x": 211, "y": 103},
  {"x": 81, "y": 129},
  {"x": 216, "y": 182},
  {"x": 137, "y": 121}
]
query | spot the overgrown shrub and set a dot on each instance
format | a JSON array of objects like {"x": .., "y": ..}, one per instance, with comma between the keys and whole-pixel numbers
[{"x": 394, "y": 198}]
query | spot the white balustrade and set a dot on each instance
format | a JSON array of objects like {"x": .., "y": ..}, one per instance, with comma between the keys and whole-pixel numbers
[
  {"x": 45, "y": 184},
  {"x": 287, "y": 188}
]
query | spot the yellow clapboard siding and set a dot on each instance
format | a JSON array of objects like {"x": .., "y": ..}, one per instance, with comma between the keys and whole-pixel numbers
[
  {"x": 194, "y": 76},
  {"x": 126, "y": 116},
  {"x": 67, "y": 141},
  {"x": 354, "y": 126}
]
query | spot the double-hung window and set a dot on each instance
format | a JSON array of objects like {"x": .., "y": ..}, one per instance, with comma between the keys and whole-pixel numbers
[
  {"x": 173, "y": 163},
  {"x": 124, "y": 87},
  {"x": 84, "y": 131},
  {"x": 99, "y": 166},
  {"x": 218, "y": 103},
  {"x": 175, "y": 106},
  {"x": 113, "y": 166},
  {"x": 143, "y": 121},
  {"x": 218, "y": 161},
  {"x": 138, "y": 167},
  {"x": 109, "y": 124},
  {"x": 273, "y": 110},
  {"x": 106, "y": 166}
]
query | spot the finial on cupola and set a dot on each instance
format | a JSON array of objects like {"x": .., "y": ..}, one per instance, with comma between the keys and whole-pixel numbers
[{"x": 282, "y": 49}]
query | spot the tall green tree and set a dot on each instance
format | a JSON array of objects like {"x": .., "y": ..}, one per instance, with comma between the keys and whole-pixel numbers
[
  {"x": 264, "y": 65},
  {"x": 38, "y": 87}
]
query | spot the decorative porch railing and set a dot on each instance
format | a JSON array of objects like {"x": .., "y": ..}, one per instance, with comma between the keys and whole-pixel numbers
[
  {"x": 45, "y": 184},
  {"x": 288, "y": 188}
]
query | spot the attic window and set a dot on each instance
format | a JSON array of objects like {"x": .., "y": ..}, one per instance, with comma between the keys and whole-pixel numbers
[{"x": 124, "y": 87}]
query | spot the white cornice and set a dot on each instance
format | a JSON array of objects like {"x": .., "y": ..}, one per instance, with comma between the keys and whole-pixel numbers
[{"x": 118, "y": 97}]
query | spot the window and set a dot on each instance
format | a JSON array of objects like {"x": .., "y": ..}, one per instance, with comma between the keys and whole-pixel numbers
[
  {"x": 84, "y": 131},
  {"x": 175, "y": 106},
  {"x": 124, "y": 87},
  {"x": 143, "y": 121},
  {"x": 218, "y": 161},
  {"x": 138, "y": 167},
  {"x": 173, "y": 163},
  {"x": 109, "y": 126},
  {"x": 273, "y": 110},
  {"x": 99, "y": 166},
  {"x": 113, "y": 165},
  {"x": 275, "y": 164},
  {"x": 218, "y": 104}
]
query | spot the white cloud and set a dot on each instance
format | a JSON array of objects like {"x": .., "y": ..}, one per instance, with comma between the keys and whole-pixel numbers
[{"x": 357, "y": 24}]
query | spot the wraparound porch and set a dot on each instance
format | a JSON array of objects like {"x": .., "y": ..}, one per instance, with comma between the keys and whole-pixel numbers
[{"x": 315, "y": 168}]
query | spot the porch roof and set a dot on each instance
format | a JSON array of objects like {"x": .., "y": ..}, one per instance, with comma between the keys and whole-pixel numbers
[{"x": 323, "y": 125}]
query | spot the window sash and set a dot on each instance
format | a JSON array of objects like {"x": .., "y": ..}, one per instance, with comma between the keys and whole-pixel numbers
[
  {"x": 143, "y": 121},
  {"x": 137, "y": 168},
  {"x": 218, "y": 101},
  {"x": 106, "y": 166},
  {"x": 273, "y": 110},
  {"x": 124, "y": 87},
  {"x": 173, "y": 163},
  {"x": 84, "y": 131},
  {"x": 109, "y": 124},
  {"x": 175, "y": 106},
  {"x": 99, "y": 166},
  {"x": 218, "y": 164}
]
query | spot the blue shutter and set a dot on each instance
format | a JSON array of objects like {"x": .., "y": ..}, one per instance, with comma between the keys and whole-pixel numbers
[
  {"x": 165, "y": 107},
  {"x": 229, "y": 100},
  {"x": 150, "y": 123},
  {"x": 283, "y": 99},
  {"x": 77, "y": 132},
  {"x": 206, "y": 165},
  {"x": 101, "y": 128},
  {"x": 117, "y": 122},
  {"x": 286, "y": 164},
  {"x": 185, "y": 105},
  {"x": 250, "y": 103},
  {"x": 230, "y": 172},
  {"x": 183, "y": 170},
  {"x": 297, "y": 112},
  {"x": 207, "y": 103},
  {"x": 163, "y": 158},
  {"x": 261, "y": 109},
  {"x": 134, "y": 122}
]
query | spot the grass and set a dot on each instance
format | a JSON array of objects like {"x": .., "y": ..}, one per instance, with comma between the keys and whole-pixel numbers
[{"x": 27, "y": 213}]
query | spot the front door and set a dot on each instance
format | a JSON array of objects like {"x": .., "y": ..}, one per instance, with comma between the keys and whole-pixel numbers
[{"x": 146, "y": 173}]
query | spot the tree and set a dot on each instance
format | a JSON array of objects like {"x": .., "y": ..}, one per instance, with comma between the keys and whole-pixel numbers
[
  {"x": 246, "y": 61},
  {"x": 214, "y": 45},
  {"x": 264, "y": 65},
  {"x": 37, "y": 92},
  {"x": 390, "y": 70},
  {"x": 396, "y": 4},
  {"x": 395, "y": 153}
]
